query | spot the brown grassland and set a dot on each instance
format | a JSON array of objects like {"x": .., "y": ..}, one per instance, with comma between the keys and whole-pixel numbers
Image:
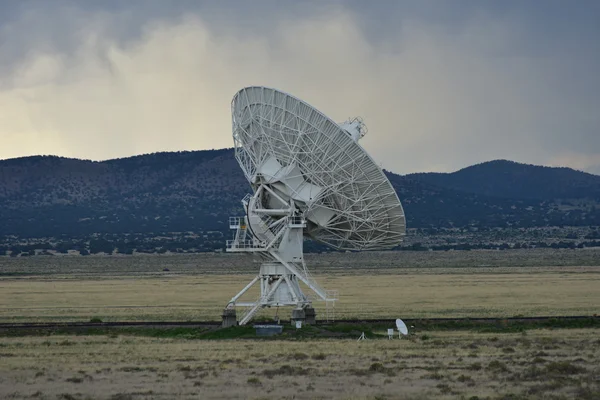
[
  {"x": 371, "y": 285},
  {"x": 551, "y": 291},
  {"x": 469, "y": 364},
  {"x": 544, "y": 364}
]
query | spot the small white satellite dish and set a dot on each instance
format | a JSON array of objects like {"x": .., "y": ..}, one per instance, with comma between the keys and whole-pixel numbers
[{"x": 401, "y": 327}]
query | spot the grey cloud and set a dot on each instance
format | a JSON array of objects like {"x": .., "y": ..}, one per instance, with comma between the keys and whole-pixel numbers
[{"x": 440, "y": 85}]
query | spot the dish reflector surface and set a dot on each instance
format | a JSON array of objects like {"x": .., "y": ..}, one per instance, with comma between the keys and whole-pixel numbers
[
  {"x": 308, "y": 159},
  {"x": 401, "y": 327}
]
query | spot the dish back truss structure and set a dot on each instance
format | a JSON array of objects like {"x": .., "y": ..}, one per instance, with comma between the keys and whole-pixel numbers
[{"x": 310, "y": 177}]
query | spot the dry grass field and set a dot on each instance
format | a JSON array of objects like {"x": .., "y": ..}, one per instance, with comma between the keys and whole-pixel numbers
[
  {"x": 538, "y": 364},
  {"x": 348, "y": 263},
  {"x": 550, "y": 291},
  {"x": 119, "y": 365},
  {"x": 375, "y": 285}
]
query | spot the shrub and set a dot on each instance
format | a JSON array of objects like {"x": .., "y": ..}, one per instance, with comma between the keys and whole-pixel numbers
[
  {"x": 474, "y": 367},
  {"x": 286, "y": 370},
  {"x": 377, "y": 367},
  {"x": 563, "y": 368},
  {"x": 444, "y": 388},
  {"x": 299, "y": 356},
  {"x": 497, "y": 366},
  {"x": 436, "y": 375},
  {"x": 254, "y": 381}
]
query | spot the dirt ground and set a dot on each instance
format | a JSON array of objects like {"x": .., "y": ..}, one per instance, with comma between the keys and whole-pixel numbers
[{"x": 544, "y": 364}]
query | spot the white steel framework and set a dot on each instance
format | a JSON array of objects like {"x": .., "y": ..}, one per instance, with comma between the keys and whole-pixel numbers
[{"x": 310, "y": 177}]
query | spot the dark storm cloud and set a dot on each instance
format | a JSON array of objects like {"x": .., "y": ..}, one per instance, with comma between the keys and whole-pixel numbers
[{"x": 440, "y": 84}]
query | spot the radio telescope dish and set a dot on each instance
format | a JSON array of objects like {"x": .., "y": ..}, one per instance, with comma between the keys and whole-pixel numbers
[
  {"x": 401, "y": 327},
  {"x": 306, "y": 158},
  {"x": 310, "y": 177}
]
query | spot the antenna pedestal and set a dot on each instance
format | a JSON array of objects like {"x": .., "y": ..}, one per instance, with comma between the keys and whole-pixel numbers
[
  {"x": 276, "y": 279},
  {"x": 276, "y": 236}
]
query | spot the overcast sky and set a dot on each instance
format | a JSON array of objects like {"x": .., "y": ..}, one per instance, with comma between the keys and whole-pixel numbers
[{"x": 440, "y": 85}]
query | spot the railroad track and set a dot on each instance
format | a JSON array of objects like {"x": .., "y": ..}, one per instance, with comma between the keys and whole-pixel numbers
[
  {"x": 191, "y": 324},
  {"x": 472, "y": 319},
  {"x": 68, "y": 325}
]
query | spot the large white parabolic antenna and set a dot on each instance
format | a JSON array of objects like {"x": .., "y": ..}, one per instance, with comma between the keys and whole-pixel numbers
[{"x": 310, "y": 177}]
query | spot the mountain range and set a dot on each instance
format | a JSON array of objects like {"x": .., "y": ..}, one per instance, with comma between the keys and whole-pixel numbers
[{"x": 196, "y": 191}]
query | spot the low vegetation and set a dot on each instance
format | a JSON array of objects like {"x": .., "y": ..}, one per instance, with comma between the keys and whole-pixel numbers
[
  {"x": 470, "y": 359},
  {"x": 371, "y": 285},
  {"x": 450, "y": 364}
]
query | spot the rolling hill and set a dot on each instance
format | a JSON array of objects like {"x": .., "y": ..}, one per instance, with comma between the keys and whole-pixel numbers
[
  {"x": 47, "y": 196},
  {"x": 502, "y": 178}
]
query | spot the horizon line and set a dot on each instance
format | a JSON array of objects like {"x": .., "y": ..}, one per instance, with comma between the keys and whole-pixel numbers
[{"x": 231, "y": 148}]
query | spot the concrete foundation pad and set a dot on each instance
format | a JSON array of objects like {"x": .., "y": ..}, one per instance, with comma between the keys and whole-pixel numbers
[{"x": 229, "y": 318}]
